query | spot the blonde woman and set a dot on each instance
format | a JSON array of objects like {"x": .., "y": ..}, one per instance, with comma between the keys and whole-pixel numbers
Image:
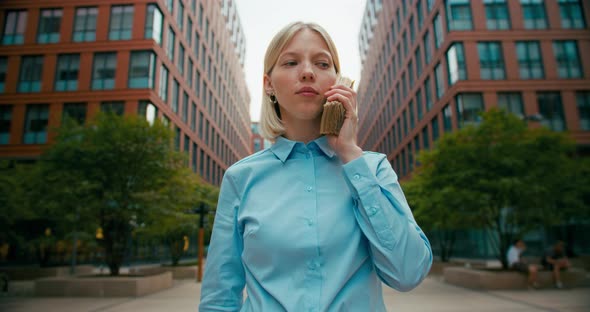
[{"x": 312, "y": 223}]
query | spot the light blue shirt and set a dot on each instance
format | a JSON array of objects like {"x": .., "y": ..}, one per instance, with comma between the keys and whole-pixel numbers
[{"x": 303, "y": 232}]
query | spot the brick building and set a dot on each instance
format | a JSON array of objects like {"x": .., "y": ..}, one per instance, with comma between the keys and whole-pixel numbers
[
  {"x": 177, "y": 60},
  {"x": 430, "y": 66}
]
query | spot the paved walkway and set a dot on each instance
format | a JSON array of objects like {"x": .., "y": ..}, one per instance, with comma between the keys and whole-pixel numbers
[{"x": 431, "y": 295}]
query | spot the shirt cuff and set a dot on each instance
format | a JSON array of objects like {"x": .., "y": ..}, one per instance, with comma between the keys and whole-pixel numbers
[{"x": 360, "y": 175}]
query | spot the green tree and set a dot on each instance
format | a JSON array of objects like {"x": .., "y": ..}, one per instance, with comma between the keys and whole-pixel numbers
[
  {"x": 173, "y": 216},
  {"x": 101, "y": 170},
  {"x": 498, "y": 175}
]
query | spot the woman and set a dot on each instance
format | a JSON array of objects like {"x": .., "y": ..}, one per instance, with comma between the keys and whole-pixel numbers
[{"x": 313, "y": 223}]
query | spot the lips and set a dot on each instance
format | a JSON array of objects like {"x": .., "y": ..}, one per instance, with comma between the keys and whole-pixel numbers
[{"x": 307, "y": 91}]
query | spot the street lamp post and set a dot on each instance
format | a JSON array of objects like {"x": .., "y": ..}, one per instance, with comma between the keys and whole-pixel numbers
[{"x": 202, "y": 212}]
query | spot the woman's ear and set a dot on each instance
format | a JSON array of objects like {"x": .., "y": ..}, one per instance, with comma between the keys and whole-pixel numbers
[{"x": 268, "y": 89}]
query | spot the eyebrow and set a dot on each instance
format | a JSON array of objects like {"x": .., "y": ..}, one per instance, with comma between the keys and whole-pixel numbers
[{"x": 321, "y": 53}]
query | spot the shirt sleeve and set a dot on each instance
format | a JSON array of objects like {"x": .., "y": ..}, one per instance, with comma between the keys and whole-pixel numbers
[
  {"x": 224, "y": 279},
  {"x": 400, "y": 250}
]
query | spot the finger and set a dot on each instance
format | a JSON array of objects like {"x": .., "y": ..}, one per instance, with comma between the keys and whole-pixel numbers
[{"x": 347, "y": 102}]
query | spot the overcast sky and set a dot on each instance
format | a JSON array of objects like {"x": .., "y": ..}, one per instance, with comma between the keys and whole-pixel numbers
[{"x": 262, "y": 19}]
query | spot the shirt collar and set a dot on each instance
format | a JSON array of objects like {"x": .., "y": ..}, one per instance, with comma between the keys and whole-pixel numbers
[{"x": 283, "y": 147}]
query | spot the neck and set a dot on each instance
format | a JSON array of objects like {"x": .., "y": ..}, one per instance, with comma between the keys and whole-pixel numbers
[{"x": 302, "y": 130}]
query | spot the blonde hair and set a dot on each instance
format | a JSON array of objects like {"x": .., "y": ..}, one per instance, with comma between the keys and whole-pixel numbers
[{"x": 271, "y": 125}]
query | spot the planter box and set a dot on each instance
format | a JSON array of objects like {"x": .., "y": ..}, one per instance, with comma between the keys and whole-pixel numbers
[
  {"x": 178, "y": 272},
  {"x": 490, "y": 279},
  {"x": 105, "y": 286},
  {"x": 34, "y": 272}
]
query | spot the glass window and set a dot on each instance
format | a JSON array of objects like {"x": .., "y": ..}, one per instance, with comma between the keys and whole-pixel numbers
[
  {"x": 435, "y": 128},
  {"x": 469, "y": 106},
  {"x": 163, "y": 87},
  {"x": 74, "y": 111},
  {"x": 428, "y": 94},
  {"x": 412, "y": 31},
  {"x": 194, "y": 117},
  {"x": 511, "y": 102},
  {"x": 49, "y": 24},
  {"x": 148, "y": 110},
  {"x": 15, "y": 23},
  {"x": 113, "y": 107},
  {"x": 198, "y": 83},
  {"x": 197, "y": 45},
  {"x": 447, "y": 118},
  {"x": 180, "y": 15},
  {"x": 5, "y": 123},
  {"x": 66, "y": 74},
  {"x": 550, "y": 107},
  {"x": 568, "y": 60},
  {"x": 427, "y": 48},
  {"x": 583, "y": 101},
  {"x": 425, "y": 138},
  {"x": 572, "y": 14},
  {"x": 411, "y": 114},
  {"x": 154, "y": 23},
  {"x": 189, "y": 32},
  {"x": 491, "y": 60},
  {"x": 430, "y": 4},
  {"x": 419, "y": 13},
  {"x": 103, "y": 73},
  {"x": 456, "y": 63},
  {"x": 530, "y": 62},
  {"x": 458, "y": 15},
  {"x": 418, "y": 58},
  {"x": 31, "y": 69},
  {"x": 180, "y": 58},
  {"x": 184, "y": 107},
  {"x": 37, "y": 118},
  {"x": 121, "y": 22},
  {"x": 497, "y": 16},
  {"x": 438, "y": 32},
  {"x": 533, "y": 13},
  {"x": 439, "y": 81},
  {"x": 410, "y": 75},
  {"x": 419, "y": 104},
  {"x": 189, "y": 73},
  {"x": 3, "y": 69},
  {"x": 85, "y": 24},
  {"x": 175, "y": 95},
  {"x": 142, "y": 70},
  {"x": 170, "y": 6},
  {"x": 171, "y": 44}
]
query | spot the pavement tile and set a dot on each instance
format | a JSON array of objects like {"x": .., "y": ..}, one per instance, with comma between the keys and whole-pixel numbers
[{"x": 432, "y": 295}]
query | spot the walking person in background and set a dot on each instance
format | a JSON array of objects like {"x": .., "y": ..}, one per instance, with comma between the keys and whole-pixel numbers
[
  {"x": 312, "y": 223},
  {"x": 516, "y": 262},
  {"x": 555, "y": 260}
]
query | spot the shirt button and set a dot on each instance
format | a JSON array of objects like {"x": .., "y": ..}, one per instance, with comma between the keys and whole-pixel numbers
[
  {"x": 309, "y": 222},
  {"x": 309, "y": 188},
  {"x": 372, "y": 211},
  {"x": 357, "y": 176}
]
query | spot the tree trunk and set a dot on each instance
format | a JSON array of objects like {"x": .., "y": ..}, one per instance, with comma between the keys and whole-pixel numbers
[{"x": 115, "y": 244}]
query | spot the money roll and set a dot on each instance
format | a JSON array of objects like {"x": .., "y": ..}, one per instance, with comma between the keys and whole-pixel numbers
[{"x": 334, "y": 111}]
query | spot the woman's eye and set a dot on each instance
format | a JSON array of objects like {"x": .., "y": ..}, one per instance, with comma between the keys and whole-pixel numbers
[
  {"x": 324, "y": 65},
  {"x": 290, "y": 63}
]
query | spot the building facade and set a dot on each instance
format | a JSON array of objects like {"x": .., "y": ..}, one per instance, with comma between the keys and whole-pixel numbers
[
  {"x": 430, "y": 66},
  {"x": 258, "y": 142},
  {"x": 180, "y": 61}
]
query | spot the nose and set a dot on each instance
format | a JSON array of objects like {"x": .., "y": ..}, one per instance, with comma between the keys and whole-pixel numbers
[{"x": 307, "y": 73}]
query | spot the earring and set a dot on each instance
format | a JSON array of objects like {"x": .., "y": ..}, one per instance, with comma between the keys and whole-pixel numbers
[{"x": 273, "y": 98}]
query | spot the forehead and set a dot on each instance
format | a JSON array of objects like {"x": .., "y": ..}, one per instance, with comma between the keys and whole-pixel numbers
[{"x": 306, "y": 41}]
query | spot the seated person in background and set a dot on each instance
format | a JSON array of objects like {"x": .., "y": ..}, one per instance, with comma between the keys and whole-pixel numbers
[
  {"x": 515, "y": 262},
  {"x": 555, "y": 260}
]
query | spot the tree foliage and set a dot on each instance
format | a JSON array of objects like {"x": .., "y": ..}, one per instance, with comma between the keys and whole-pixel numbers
[
  {"x": 501, "y": 176},
  {"x": 100, "y": 175}
]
